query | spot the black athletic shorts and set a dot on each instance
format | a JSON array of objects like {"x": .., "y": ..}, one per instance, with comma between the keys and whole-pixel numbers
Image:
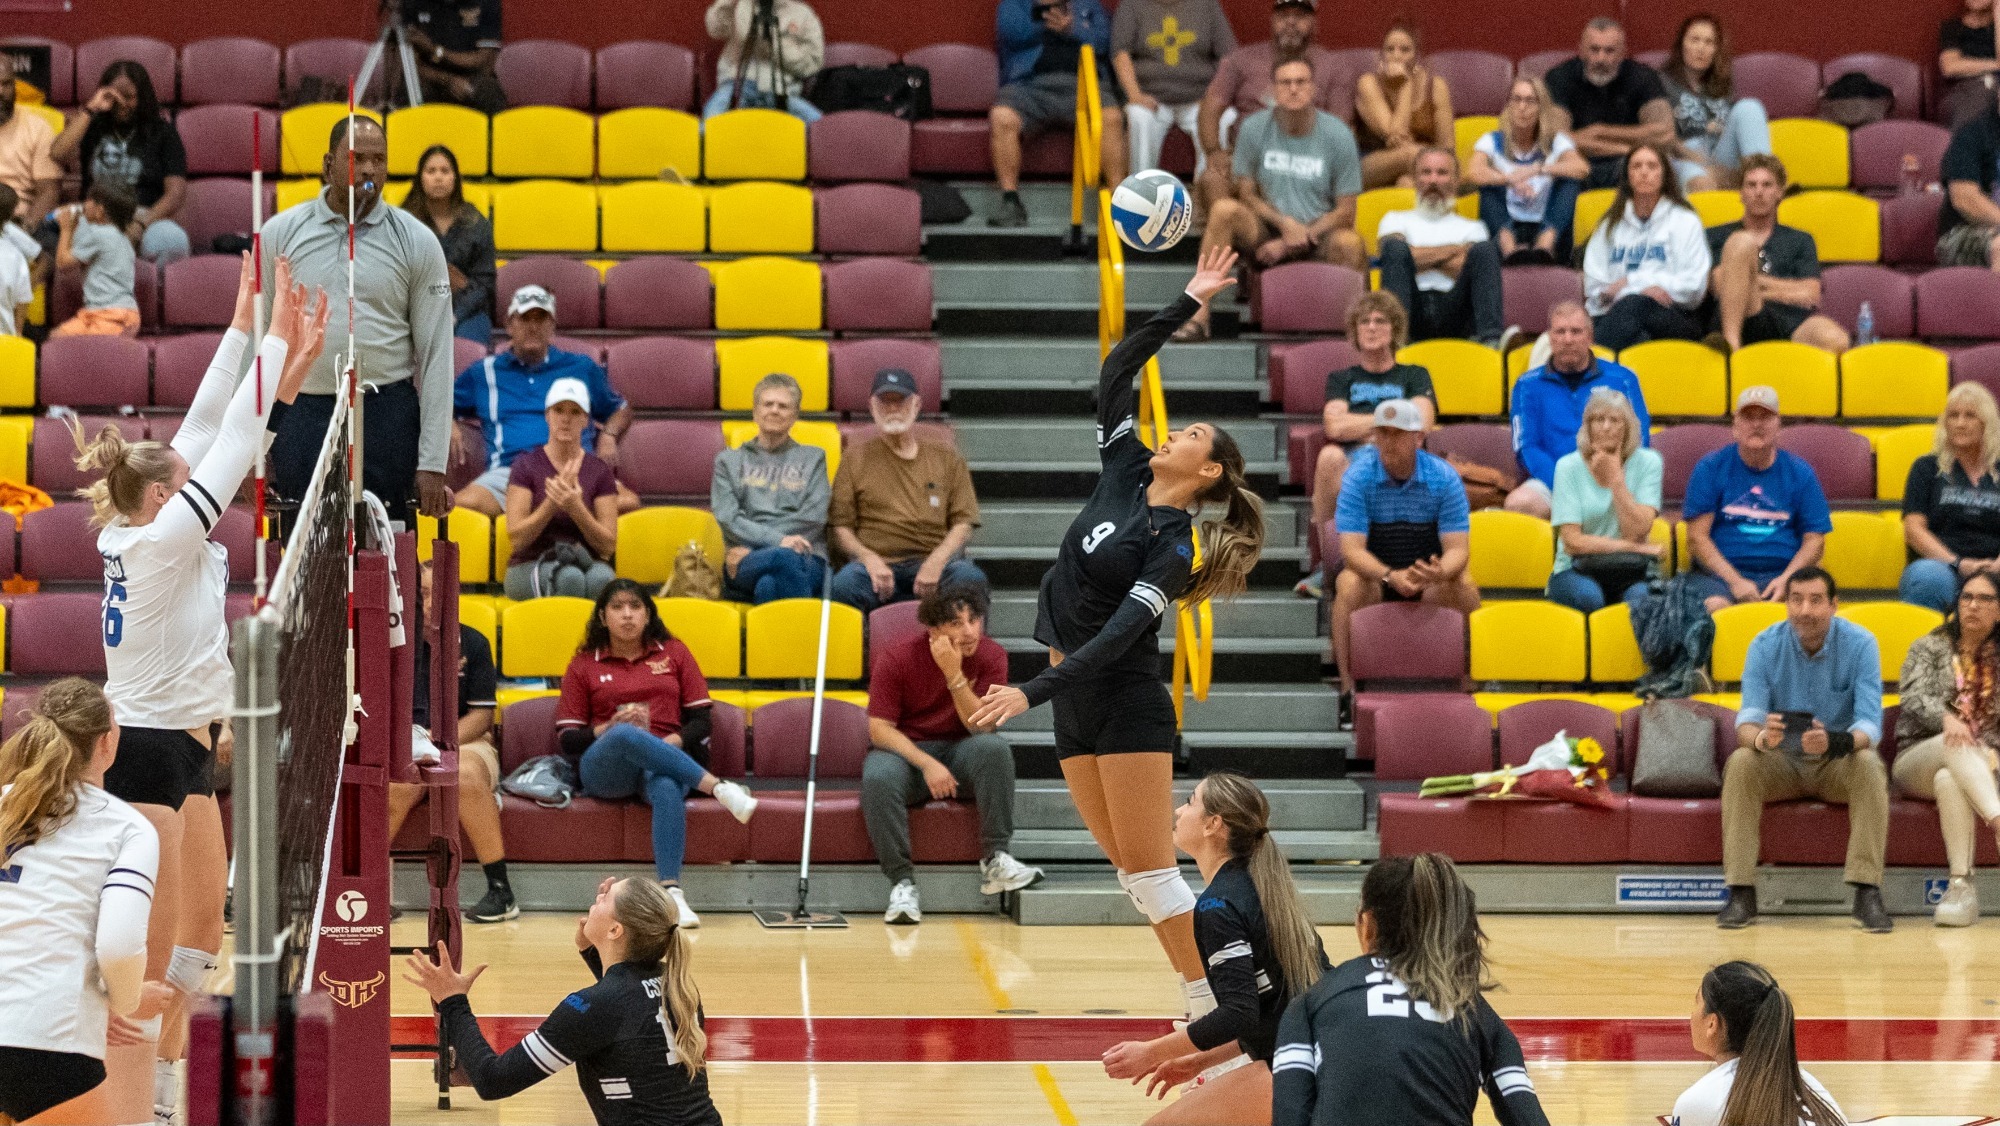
[
  {"x": 160, "y": 766},
  {"x": 1113, "y": 716},
  {"x": 1774, "y": 322},
  {"x": 32, "y": 1080}
]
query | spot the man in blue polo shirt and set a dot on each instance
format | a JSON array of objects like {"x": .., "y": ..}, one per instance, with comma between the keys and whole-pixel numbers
[
  {"x": 1548, "y": 406},
  {"x": 1405, "y": 528},
  {"x": 508, "y": 394}
]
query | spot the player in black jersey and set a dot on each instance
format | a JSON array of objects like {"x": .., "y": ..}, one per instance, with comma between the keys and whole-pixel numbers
[
  {"x": 1125, "y": 558},
  {"x": 1402, "y": 1034},
  {"x": 1260, "y": 949},
  {"x": 635, "y": 1037}
]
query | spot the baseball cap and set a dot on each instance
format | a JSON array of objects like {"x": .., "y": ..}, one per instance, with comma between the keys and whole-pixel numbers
[
  {"x": 1308, "y": 5},
  {"x": 532, "y": 297},
  {"x": 1399, "y": 414},
  {"x": 893, "y": 381},
  {"x": 1758, "y": 396},
  {"x": 568, "y": 391}
]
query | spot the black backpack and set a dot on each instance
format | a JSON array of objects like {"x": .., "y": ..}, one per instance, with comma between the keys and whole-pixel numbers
[{"x": 897, "y": 90}]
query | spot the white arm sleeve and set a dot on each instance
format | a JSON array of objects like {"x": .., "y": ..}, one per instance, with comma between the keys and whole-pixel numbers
[
  {"x": 220, "y": 470},
  {"x": 204, "y": 416},
  {"x": 123, "y": 910}
]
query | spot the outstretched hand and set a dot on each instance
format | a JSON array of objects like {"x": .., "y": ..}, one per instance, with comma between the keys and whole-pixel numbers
[
  {"x": 436, "y": 977},
  {"x": 1215, "y": 273},
  {"x": 285, "y": 301},
  {"x": 1001, "y": 703},
  {"x": 306, "y": 345},
  {"x": 245, "y": 317}
]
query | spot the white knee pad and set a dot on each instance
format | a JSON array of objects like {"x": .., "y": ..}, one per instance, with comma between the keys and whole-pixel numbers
[
  {"x": 1125, "y": 885},
  {"x": 189, "y": 969},
  {"x": 1161, "y": 894}
]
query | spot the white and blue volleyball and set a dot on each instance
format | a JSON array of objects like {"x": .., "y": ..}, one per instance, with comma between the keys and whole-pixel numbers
[{"x": 1151, "y": 210}]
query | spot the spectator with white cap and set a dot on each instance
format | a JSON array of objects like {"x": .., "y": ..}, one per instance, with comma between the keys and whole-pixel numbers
[
  {"x": 1405, "y": 528},
  {"x": 1755, "y": 513},
  {"x": 562, "y": 507},
  {"x": 509, "y": 393}
]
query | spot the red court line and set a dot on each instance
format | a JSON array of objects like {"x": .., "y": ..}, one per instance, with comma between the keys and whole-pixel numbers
[{"x": 1084, "y": 1039}]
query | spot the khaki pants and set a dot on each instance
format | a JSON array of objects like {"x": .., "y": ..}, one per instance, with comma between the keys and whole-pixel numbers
[
  {"x": 1754, "y": 777},
  {"x": 1960, "y": 781}
]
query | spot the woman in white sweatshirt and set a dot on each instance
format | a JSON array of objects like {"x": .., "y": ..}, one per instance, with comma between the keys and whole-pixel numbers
[{"x": 1647, "y": 264}]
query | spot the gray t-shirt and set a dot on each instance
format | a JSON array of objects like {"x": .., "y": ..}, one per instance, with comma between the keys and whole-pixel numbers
[
  {"x": 107, "y": 255},
  {"x": 1304, "y": 177},
  {"x": 1175, "y": 45}
]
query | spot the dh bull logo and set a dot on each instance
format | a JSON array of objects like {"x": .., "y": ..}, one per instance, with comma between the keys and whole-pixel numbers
[{"x": 352, "y": 994}]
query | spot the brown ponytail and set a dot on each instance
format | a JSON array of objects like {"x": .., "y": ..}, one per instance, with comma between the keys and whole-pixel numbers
[
  {"x": 1229, "y": 547},
  {"x": 1758, "y": 1028},
  {"x": 1427, "y": 929},
  {"x": 1243, "y": 808},
  {"x": 46, "y": 760},
  {"x": 128, "y": 468},
  {"x": 652, "y": 926}
]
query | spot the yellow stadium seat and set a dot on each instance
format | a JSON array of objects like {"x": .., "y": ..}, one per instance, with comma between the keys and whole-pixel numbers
[
  {"x": 1895, "y": 625},
  {"x": 654, "y": 217},
  {"x": 1493, "y": 703},
  {"x": 1717, "y": 207},
  {"x": 544, "y": 215},
  {"x": 1731, "y": 702},
  {"x": 507, "y": 697},
  {"x": 1807, "y": 379},
  {"x": 291, "y": 193},
  {"x": 1893, "y": 377},
  {"x": 754, "y": 144},
  {"x": 17, "y": 373},
  {"x": 1895, "y": 449},
  {"x": 1468, "y": 205},
  {"x": 1511, "y": 550},
  {"x": 649, "y": 539},
  {"x": 825, "y": 435},
  {"x": 1814, "y": 152},
  {"x": 645, "y": 143},
  {"x": 1614, "y": 652},
  {"x": 551, "y": 141},
  {"x": 1847, "y": 227},
  {"x": 472, "y": 532},
  {"x": 1591, "y": 207},
  {"x": 413, "y": 130},
  {"x": 1735, "y": 627},
  {"x": 14, "y": 432},
  {"x": 1679, "y": 377},
  {"x": 712, "y": 631},
  {"x": 760, "y": 217},
  {"x": 503, "y": 544},
  {"x": 1663, "y": 534},
  {"x": 1535, "y": 641},
  {"x": 781, "y": 640},
  {"x": 1466, "y": 133},
  {"x": 1864, "y": 551},
  {"x": 482, "y": 615},
  {"x": 480, "y": 196},
  {"x": 742, "y": 362},
  {"x": 767, "y": 294},
  {"x": 1371, "y": 205},
  {"x": 47, "y": 113},
  {"x": 538, "y": 638},
  {"x": 1465, "y": 375},
  {"x": 303, "y": 133},
  {"x": 1517, "y": 364}
]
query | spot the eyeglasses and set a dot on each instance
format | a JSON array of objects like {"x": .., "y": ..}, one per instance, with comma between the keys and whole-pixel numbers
[{"x": 1979, "y": 599}]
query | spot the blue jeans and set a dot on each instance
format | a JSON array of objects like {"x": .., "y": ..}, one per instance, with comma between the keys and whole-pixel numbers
[
  {"x": 477, "y": 328},
  {"x": 1928, "y": 582},
  {"x": 1578, "y": 591},
  {"x": 1558, "y": 215},
  {"x": 164, "y": 242},
  {"x": 625, "y": 761},
  {"x": 1746, "y": 131},
  {"x": 718, "y": 102},
  {"x": 770, "y": 573},
  {"x": 852, "y": 586}
]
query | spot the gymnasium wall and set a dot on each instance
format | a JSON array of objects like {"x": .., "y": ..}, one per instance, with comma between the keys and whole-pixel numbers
[{"x": 1813, "y": 28}]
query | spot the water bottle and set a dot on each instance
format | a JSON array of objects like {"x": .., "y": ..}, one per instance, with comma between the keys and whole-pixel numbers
[
  {"x": 1913, "y": 174},
  {"x": 1864, "y": 325}
]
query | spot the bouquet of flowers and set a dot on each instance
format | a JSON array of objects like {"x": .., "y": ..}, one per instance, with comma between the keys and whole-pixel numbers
[{"x": 1562, "y": 769}]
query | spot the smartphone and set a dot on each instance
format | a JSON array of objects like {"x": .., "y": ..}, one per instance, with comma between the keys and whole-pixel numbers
[{"x": 1796, "y": 725}]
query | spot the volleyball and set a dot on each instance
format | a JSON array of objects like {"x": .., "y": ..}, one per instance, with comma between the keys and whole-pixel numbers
[{"x": 1151, "y": 210}]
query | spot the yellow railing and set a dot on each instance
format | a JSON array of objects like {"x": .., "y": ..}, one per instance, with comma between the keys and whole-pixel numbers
[{"x": 1194, "y": 634}]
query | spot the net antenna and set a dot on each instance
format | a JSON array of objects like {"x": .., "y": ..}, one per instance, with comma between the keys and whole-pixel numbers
[
  {"x": 801, "y": 917},
  {"x": 262, "y": 588}
]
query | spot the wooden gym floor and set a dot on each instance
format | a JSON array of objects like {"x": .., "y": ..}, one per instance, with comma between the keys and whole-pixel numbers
[{"x": 971, "y": 1019}]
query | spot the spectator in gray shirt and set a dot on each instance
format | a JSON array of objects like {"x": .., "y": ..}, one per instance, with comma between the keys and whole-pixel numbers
[
  {"x": 402, "y": 330},
  {"x": 770, "y": 494}
]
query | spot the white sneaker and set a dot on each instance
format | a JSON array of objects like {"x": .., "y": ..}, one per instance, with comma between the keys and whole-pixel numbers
[
  {"x": 903, "y": 908},
  {"x": 689, "y": 920},
  {"x": 1001, "y": 872},
  {"x": 736, "y": 800},
  {"x": 1960, "y": 905},
  {"x": 166, "y": 1094}
]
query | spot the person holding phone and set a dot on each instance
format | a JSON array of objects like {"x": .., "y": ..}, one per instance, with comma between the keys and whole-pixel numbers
[{"x": 1808, "y": 727}]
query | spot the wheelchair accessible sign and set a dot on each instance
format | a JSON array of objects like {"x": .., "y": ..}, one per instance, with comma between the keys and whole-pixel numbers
[{"x": 1655, "y": 892}]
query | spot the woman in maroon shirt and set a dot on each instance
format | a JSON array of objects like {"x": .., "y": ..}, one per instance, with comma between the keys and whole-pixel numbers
[{"x": 634, "y": 713}]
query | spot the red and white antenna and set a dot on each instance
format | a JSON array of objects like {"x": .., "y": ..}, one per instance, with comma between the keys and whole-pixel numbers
[{"x": 257, "y": 333}]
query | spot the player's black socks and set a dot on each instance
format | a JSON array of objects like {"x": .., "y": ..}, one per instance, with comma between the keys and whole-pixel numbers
[{"x": 496, "y": 876}]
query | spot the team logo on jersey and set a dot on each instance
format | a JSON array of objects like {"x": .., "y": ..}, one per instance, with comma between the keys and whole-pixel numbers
[
  {"x": 661, "y": 667},
  {"x": 1097, "y": 536},
  {"x": 352, "y": 906},
  {"x": 352, "y": 994}
]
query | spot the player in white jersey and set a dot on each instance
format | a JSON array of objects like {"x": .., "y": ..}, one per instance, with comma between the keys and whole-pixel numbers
[
  {"x": 76, "y": 888},
  {"x": 166, "y": 647}
]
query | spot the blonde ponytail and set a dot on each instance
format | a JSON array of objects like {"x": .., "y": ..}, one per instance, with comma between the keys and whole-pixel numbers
[
  {"x": 1244, "y": 809},
  {"x": 46, "y": 760},
  {"x": 1230, "y": 547},
  {"x": 652, "y": 925},
  {"x": 1427, "y": 929},
  {"x": 128, "y": 468}
]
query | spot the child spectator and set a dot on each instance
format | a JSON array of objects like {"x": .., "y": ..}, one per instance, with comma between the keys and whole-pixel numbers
[{"x": 93, "y": 237}]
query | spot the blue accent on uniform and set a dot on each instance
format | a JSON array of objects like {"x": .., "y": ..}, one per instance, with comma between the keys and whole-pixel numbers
[
  {"x": 1185, "y": 551},
  {"x": 577, "y": 1002}
]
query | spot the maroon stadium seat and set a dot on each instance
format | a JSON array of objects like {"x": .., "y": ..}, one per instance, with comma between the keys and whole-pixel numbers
[
  {"x": 964, "y": 80},
  {"x": 1401, "y": 651},
  {"x": 1466, "y": 829},
  {"x": 1559, "y": 832},
  {"x": 179, "y": 363},
  {"x": 855, "y": 362},
  {"x": 1655, "y": 58},
  {"x": 579, "y": 299},
  {"x": 953, "y": 146},
  {"x": 336, "y": 60},
  {"x": 645, "y": 73},
  {"x": 544, "y": 72},
  {"x": 1299, "y": 371},
  {"x": 1916, "y": 840},
  {"x": 95, "y": 371},
  {"x": 219, "y": 205},
  {"x": 1529, "y": 292},
  {"x": 1898, "y": 74},
  {"x": 1487, "y": 443},
  {"x": 465, "y": 353},
  {"x": 878, "y": 295},
  {"x": 714, "y": 836},
  {"x": 669, "y": 457},
  {"x": 1909, "y": 229},
  {"x": 56, "y": 635},
  {"x": 587, "y": 831},
  {"x": 200, "y": 292},
  {"x": 656, "y": 292},
  {"x": 1979, "y": 364},
  {"x": 58, "y": 545},
  {"x": 1349, "y": 64},
  {"x": 1420, "y": 737},
  {"x": 219, "y": 142},
  {"x": 1479, "y": 80},
  {"x": 1787, "y": 84},
  {"x": 783, "y": 733},
  {"x": 582, "y": 345},
  {"x": 889, "y": 626},
  {"x": 20, "y": 705},
  {"x": 1676, "y": 830},
  {"x": 858, "y": 145},
  {"x": 145, "y": 290},
  {"x": 1804, "y": 832},
  {"x": 664, "y": 373},
  {"x": 1877, "y": 153},
  {"x": 1303, "y": 442},
  {"x": 1680, "y": 447},
  {"x": 1541, "y": 62},
  {"x": 157, "y": 57},
  {"x": 1891, "y": 297},
  {"x": 62, "y": 70},
  {"x": 870, "y": 219},
  {"x": 1309, "y": 297},
  {"x": 1960, "y": 303},
  {"x": 857, "y": 54},
  {"x": 52, "y": 466},
  {"x": 1841, "y": 458},
  {"x": 237, "y": 531},
  {"x": 230, "y": 69},
  {"x": 1527, "y": 726}
]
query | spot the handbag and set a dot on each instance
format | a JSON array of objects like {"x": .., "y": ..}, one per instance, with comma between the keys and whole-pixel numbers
[
  {"x": 693, "y": 576},
  {"x": 547, "y": 780},
  {"x": 1676, "y": 753},
  {"x": 1615, "y": 571},
  {"x": 1485, "y": 486},
  {"x": 1854, "y": 100},
  {"x": 898, "y": 90}
]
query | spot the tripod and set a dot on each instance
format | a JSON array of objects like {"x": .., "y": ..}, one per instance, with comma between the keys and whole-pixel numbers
[
  {"x": 392, "y": 30},
  {"x": 763, "y": 32}
]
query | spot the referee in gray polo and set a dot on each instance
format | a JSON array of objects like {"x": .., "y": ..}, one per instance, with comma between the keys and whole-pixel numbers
[{"x": 402, "y": 331}]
